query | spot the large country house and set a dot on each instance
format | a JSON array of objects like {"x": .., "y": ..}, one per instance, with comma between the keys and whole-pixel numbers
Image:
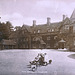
[{"x": 50, "y": 35}]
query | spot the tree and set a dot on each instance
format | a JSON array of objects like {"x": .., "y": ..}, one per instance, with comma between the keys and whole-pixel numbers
[
  {"x": 9, "y": 27},
  {"x": 5, "y": 30}
]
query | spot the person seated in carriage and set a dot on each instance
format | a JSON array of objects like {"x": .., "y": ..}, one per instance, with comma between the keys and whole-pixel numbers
[{"x": 39, "y": 59}]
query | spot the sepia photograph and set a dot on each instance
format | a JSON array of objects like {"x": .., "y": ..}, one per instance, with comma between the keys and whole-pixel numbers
[{"x": 37, "y": 37}]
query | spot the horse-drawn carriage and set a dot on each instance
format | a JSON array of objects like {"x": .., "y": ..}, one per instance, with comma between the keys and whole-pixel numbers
[{"x": 39, "y": 61}]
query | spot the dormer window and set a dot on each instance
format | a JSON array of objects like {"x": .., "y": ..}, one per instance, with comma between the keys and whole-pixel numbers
[
  {"x": 49, "y": 30},
  {"x": 38, "y": 31}
]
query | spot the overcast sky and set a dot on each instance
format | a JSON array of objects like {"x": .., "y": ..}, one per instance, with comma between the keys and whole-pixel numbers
[{"x": 25, "y": 11}]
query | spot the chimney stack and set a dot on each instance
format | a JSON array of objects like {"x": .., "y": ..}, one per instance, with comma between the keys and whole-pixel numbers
[
  {"x": 48, "y": 21},
  {"x": 64, "y": 17},
  {"x": 34, "y": 23}
]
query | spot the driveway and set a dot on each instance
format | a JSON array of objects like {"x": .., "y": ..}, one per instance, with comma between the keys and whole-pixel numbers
[{"x": 14, "y": 62}]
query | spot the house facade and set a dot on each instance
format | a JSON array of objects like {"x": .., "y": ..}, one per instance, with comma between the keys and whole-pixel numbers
[
  {"x": 67, "y": 31},
  {"x": 45, "y": 35},
  {"x": 38, "y": 36},
  {"x": 50, "y": 35}
]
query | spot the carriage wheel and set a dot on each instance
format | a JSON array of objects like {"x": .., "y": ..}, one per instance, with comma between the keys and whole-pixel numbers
[
  {"x": 50, "y": 61},
  {"x": 45, "y": 63},
  {"x": 33, "y": 69}
]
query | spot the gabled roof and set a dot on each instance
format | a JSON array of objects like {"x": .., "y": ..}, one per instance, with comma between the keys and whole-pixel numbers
[
  {"x": 39, "y": 27},
  {"x": 73, "y": 15},
  {"x": 13, "y": 35},
  {"x": 72, "y": 18},
  {"x": 62, "y": 41},
  {"x": 44, "y": 27},
  {"x": 42, "y": 42},
  {"x": 67, "y": 21},
  {"x": 27, "y": 27}
]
